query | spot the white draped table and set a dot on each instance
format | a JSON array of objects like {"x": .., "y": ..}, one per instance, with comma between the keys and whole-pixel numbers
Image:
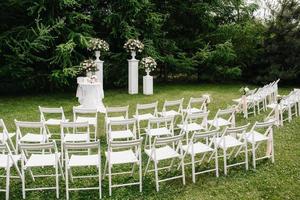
[{"x": 90, "y": 95}]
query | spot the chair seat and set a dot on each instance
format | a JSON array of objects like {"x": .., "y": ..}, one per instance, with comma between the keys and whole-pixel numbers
[
  {"x": 192, "y": 110},
  {"x": 198, "y": 148},
  {"x": 84, "y": 160},
  {"x": 31, "y": 137},
  {"x": 55, "y": 122},
  {"x": 77, "y": 137},
  {"x": 219, "y": 122},
  {"x": 90, "y": 120},
  {"x": 255, "y": 136},
  {"x": 158, "y": 132},
  {"x": 229, "y": 142},
  {"x": 191, "y": 127},
  {"x": 163, "y": 153},
  {"x": 280, "y": 106},
  {"x": 121, "y": 134},
  {"x": 41, "y": 160},
  {"x": 122, "y": 157},
  {"x": 169, "y": 113},
  {"x": 142, "y": 117},
  {"x": 114, "y": 118},
  {"x": 3, "y": 160},
  {"x": 4, "y": 137}
]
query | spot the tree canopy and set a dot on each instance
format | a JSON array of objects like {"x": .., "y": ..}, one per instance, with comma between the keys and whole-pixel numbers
[{"x": 42, "y": 42}]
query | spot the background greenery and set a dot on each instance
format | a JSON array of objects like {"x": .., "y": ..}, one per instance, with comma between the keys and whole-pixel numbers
[
  {"x": 268, "y": 181},
  {"x": 42, "y": 41}
]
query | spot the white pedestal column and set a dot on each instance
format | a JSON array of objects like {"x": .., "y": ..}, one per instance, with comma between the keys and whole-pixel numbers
[
  {"x": 99, "y": 64},
  {"x": 133, "y": 76},
  {"x": 148, "y": 85}
]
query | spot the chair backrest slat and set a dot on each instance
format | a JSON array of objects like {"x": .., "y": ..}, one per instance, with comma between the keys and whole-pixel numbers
[
  {"x": 26, "y": 124},
  {"x": 74, "y": 124},
  {"x": 82, "y": 145},
  {"x": 168, "y": 140},
  {"x": 125, "y": 144},
  {"x": 37, "y": 146}
]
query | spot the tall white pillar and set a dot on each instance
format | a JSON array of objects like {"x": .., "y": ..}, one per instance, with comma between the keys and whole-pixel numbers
[
  {"x": 99, "y": 64},
  {"x": 133, "y": 76}
]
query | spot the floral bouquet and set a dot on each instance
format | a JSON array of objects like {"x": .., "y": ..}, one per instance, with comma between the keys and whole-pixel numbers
[
  {"x": 148, "y": 63},
  {"x": 244, "y": 90},
  {"x": 133, "y": 45},
  {"x": 96, "y": 44},
  {"x": 89, "y": 66}
]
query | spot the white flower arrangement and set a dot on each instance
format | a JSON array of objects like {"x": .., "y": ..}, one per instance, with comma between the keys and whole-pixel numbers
[
  {"x": 244, "y": 90},
  {"x": 96, "y": 44},
  {"x": 148, "y": 63},
  {"x": 89, "y": 65},
  {"x": 133, "y": 45}
]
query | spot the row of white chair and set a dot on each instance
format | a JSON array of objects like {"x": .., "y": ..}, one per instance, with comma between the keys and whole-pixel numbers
[
  {"x": 288, "y": 107},
  {"x": 258, "y": 99},
  {"x": 232, "y": 141},
  {"x": 165, "y": 126},
  {"x": 150, "y": 110}
]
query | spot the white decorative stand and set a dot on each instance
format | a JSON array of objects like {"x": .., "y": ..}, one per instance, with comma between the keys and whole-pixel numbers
[
  {"x": 133, "y": 74},
  {"x": 99, "y": 73},
  {"x": 147, "y": 84}
]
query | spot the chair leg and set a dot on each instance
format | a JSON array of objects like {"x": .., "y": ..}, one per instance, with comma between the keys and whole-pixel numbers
[
  {"x": 147, "y": 166},
  {"x": 253, "y": 155},
  {"x": 217, "y": 163},
  {"x": 104, "y": 172},
  {"x": 141, "y": 174},
  {"x": 246, "y": 156},
  {"x": 193, "y": 168},
  {"x": 67, "y": 182},
  {"x": 99, "y": 179},
  {"x": 225, "y": 161},
  {"x": 156, "y": 176},
  {"x": 273, "y": 155},
  {"x": 183, "y": 171},
  {"x": 57, "y": 180},
  {"x": 139, "y": 128},
  {"x": 23, "y": 184},
  {"x": 109, "y": 179},
  {"x": 7, "y": 183}
]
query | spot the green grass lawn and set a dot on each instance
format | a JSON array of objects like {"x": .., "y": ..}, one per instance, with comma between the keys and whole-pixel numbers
[{"x": 269, "y": 181}]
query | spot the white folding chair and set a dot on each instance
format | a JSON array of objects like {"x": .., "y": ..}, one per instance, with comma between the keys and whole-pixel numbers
[
  {"x": 159, "y": 127},
  {"x": 193, "y": 122},
  {"x": 261, "y": 132},
  {"x": 285, "y": 108},
  {"x": 120, "y": 153},
  {"x": 41, "y": 161},
  {"x": 173, "y": 109},
  {"x": 122, "y": 129},
  {"x": 74, "y": 160},
  {"x": 232, "y": 138},
  {"x": 166, "y": 148},
  {"x": 144, "y": 112},
  {"x": 223, "y": 118},
  {"x": 8, "y": 160},
  {"x": 30, "y": 132},
  {"x": 196, "y": 105},
  {"x": 246, "y": 104},
  {"x": 87, "y": 114},
  {"x": 80, "y": 132},
  {"x": 115, "y": 113},
  {"x": 201, "y": 143},
  {"x": 5, "y": 136},
  {"x": 52, "y": 117}
]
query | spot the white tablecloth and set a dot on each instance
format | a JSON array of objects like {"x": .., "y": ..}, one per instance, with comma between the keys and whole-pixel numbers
[{"x": 90, "y": 95}]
